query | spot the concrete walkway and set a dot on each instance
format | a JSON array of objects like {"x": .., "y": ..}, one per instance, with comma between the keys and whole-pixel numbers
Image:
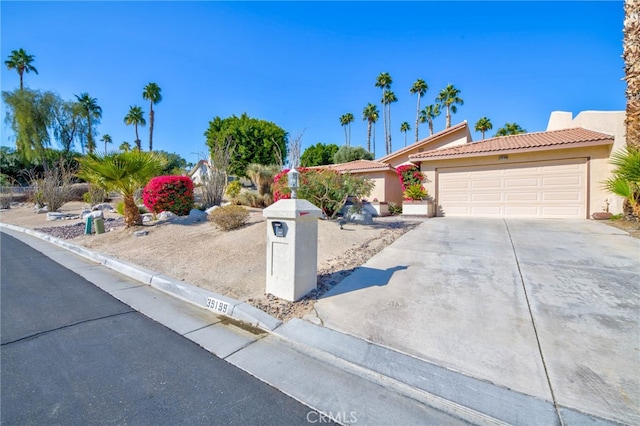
[{"x": 548, "y": 309}]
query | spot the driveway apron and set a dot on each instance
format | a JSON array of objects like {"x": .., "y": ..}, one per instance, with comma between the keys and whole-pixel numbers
[{"x": 548, "y": 308}]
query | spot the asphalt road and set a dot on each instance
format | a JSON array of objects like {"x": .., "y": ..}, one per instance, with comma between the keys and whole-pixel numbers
[{"x": 72, "y": 354}]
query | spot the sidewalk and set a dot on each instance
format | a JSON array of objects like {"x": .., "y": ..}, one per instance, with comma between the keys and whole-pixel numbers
[{"x": 473, "y": 320}]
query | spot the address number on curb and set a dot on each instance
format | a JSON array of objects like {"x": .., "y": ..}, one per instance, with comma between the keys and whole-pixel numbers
[{"x": 217, "y": 305}]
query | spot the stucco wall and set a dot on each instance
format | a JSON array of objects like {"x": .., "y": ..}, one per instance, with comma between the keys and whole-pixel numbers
[
  {"x": 387, "y": 186},
  {"x": 597, "y": 165},
  {"x": 459, "y": 137}
]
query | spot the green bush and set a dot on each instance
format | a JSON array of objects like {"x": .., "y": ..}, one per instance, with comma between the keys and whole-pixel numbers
[
  {"x": 415, "y": 192},
  {"x": 395, "y": 209},
  {"x": 233, "y": 189},
  {"x": 229, "y": 217}
]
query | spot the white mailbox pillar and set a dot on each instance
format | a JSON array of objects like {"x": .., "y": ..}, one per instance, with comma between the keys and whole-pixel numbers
[{"x": 292, "y": 248}]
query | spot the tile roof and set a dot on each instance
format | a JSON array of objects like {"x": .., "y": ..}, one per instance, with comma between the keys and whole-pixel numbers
[
  {"x": 424, "y": 141},
  {"x": 359, "y": 166},
  {"x": 536, "y": 141}
]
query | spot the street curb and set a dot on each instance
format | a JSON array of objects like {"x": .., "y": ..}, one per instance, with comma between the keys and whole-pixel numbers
[{"x": 195, "y": 295}]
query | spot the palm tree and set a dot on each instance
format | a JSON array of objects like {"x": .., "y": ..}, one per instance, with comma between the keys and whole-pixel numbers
[
  {"x": 92, "y": 114},
  {"x": 135, "y": 117},
  {"x": 510, "y": 129},
  {"x": 384, "y": 81},
  {"x": 125, "y": 146},
  {"x": 152, "y": 94},
  {"x": 124, "y": 172},
  {"x": 483, "y": 125},
  {"x": 428, "y": 114},
  {"x": 20, "y": 61},
  {"x": 449, "y": 97},
  {"x": 404, "y": 127},
  {"x": 388, "y": 98},
  {"x": 370, "y": 113},
  {"x": 107, "y": 140},
  {"x": 631, "y": 56},
  {"x": 262, "y": 176},
  {"x": 625, "y": 181},
  {"x": 420, "y": 87},
  {"x": 345, "y": 121}
]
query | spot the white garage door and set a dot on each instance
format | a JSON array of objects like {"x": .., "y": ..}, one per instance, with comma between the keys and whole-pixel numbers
[{"x": 542, "y": 189}]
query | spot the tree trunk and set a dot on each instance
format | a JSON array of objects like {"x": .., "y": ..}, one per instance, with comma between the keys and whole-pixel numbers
[
  {"x": 151, "y": 118},
  {"x": 390, "y": 150},
  {"x": 417, "y": 119},
  {"x": 132, "y": 215},
  {"x": 369, "y": 135},
  {"x": 448, "y": 118},
  {"x": 430, "y": 127}
]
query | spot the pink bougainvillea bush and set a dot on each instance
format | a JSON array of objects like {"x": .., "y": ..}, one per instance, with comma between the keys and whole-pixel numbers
[
  {"x": 410, "y": 177},
  {"x": 169, "y": 193}
]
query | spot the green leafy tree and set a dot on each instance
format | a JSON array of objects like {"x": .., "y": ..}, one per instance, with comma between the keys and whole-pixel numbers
[
  {"x": 389, "y": 98},
  {"x": 69, "y": 125},
  {"x": 253, "y": 141},
  {"x": 625, "y": 181},
  {"x": 135, "y": 117},
  {"x": 92, "y": 113},
  {"x": 384, "y": 81},
  {"x": 124, "y": 172},
  {"x": 404, "y": 128},
  {"x": 318, "y": 155},
  {"x": 20, "y": 61},
  {"x": 449, "y": 97},
  {"x": 370, "y": 114},
  {"x": 351, "y": 153},
  {"x": 483, "y": 125},
  {"x": 31, "y": 115},
  {"x": 419, "y": 88},
  {"x": 174, "y": 164},
  {"x": 428, "y": 114},
  {"x": 345, "y": 121},
  {"x": 107, "y": 140},
  {"x": 152, "y": 94},
  {"x": 510, "y": 129}
]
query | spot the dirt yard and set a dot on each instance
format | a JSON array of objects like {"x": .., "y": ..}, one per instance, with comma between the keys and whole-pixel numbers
[{"x": 229, "y": 263}]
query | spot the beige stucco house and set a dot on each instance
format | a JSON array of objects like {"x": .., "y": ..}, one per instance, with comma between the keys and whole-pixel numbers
[{"x": 557, "y": 173}]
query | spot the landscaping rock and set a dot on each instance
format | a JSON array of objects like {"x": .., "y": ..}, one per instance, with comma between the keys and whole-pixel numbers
[
  {"x": 56, "y": 216},
  {"x": 96, "y": 214},
  {"x": 166, "y": 215},
  {"x": 197, "y": 215},
  {"x": 147, "y": 217},
  {"x": 211, "y": 209},
  {"x": 103, "y": 206},
  {"x": 41, "y": 210},
  {"x": 140, "y": 233}
]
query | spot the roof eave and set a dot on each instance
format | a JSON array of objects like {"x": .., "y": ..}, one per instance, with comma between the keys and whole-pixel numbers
[{"x": 598, "y": 142}]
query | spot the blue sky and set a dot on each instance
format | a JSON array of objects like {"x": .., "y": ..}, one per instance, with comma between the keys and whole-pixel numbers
[{"x": 302, "y": 65}]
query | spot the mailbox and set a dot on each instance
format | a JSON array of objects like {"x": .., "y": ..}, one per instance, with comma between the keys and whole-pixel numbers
[{"x": 279, "y": 229}]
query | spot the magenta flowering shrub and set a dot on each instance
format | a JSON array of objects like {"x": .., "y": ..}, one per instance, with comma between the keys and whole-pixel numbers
[
  {"x": 169, "y": 193},
  {"x": 411, "y": 180}
]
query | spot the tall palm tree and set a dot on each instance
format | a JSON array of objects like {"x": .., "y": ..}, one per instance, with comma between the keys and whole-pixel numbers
[
  {"x": 428, "y": 114},
  {"x": 420, "y": 87},
  {"x": 124, "y": 172},
  {"x": 125, "y": 146},
  {"x": 135, "y": 116},
  {"x": 631, "y": 56},
  {"x": 370, "y": 114},
  {"x": 20, "y": 61},
  {"x": 510, "y": 129},
  {"x": 384, "y": 81},
  {"x": 107, "y": 140},
  {"x": 449, "y": 98},
  {"x": 388, "y": 98},
  {"x": 483, "y": 125},
  {"x": 92, "y": 113},
  {"x": 345, "y": 121},
  {"x": 152, "y": 94},
  {"x": 404, "y": 127}
]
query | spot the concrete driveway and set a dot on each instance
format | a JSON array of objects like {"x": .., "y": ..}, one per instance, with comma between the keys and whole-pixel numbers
[{"x": 547, "y": 308}]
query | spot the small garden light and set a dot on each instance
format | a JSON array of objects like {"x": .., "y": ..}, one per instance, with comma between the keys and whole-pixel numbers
[{"x": 293, "y": 178}]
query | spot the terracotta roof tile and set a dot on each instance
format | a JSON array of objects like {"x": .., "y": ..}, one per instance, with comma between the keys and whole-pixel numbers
[
  {"x": 359, "y": 166},
  {"x": 523, "y": 142},
  {"x": 424, "y": 141}
]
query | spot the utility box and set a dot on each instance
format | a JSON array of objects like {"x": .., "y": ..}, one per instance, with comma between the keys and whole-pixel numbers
[{"x": 292, "y": 248}]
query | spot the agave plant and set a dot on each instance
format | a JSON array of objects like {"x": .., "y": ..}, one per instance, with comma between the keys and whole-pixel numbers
[
  {"x": 415, "y": 192},
  {"x": 124, "y": 172},
  {"x": 625, "y": 181}
]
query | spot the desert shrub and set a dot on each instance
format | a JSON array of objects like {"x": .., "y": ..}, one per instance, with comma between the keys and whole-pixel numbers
[
  {"x": 253, "y": 199},
  {"x": 55, "y": 189},
  {"x": 229, "y": 217},
  {"x": 395, "y": 209},
  {"x": 6, "y": 196},
  {"x": 233, "y": 189},
  {"x": 94, "y": 195},
  {"x": 169, "y": 193},
  {"x": 327, "y": 189}
]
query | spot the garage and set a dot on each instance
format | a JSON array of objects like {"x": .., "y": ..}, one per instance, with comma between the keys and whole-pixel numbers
[{"x": 544, "y": 189}]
